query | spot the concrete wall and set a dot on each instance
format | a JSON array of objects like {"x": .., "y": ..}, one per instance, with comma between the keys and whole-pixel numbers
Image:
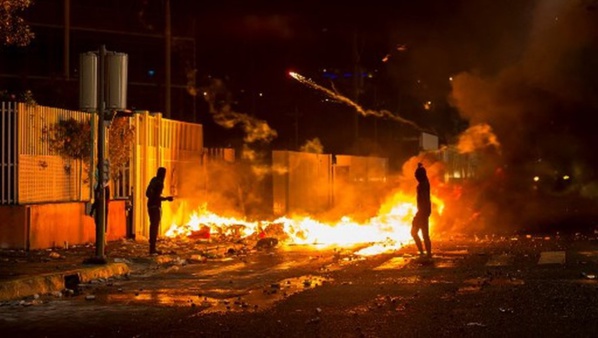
[
  {"x": 43, "y": 226},
  {"x": 13, "y": 227}
]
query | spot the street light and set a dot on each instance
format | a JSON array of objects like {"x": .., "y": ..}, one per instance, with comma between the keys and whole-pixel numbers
[{"x": 104, "y": 73}]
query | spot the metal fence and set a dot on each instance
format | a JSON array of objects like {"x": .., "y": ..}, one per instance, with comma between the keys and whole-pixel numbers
[
  {"x": 302, "y": 182},
  {"x": 309, "y": 183},
  {"x": 361, "y": 169},
  {"x": 165, "y": 143},
  {"x": 459, "y": 166},
  {"x": 8, "y": 153},
  {"x": 31, "y": 171}
]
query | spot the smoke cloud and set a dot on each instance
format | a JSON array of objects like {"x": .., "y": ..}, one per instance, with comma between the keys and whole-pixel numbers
[
  {"x": 220, "y": 100},
  {"x": 534, "y": 111}
]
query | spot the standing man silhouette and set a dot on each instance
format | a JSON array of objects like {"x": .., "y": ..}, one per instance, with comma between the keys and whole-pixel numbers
[
  {"x": 424, "y": 209},
  {"x": 154, "y": 206}
]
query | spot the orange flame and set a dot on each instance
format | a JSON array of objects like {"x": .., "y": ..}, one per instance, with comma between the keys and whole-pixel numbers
[{"x": 387, "y": 231}]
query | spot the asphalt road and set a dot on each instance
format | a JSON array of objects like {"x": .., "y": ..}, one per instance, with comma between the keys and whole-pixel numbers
[{"x": 492, "y": 287}]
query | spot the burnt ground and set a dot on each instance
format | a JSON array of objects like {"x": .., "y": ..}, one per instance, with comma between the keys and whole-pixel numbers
[{"x": 521, "y": 285}]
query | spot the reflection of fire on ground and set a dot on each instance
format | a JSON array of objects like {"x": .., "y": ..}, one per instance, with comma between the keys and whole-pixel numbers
[{"x": 388, "y": 230}]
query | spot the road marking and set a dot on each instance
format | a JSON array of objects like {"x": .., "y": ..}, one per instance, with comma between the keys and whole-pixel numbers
[
  {"x": 552, "y": 257},
  {"x": 500, "y": 260}
]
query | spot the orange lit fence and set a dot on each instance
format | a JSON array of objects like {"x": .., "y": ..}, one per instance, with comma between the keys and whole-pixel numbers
[
  {"x": 360, "y": 169},
  {"x": 458, "y": 166},
  {"x": 159, "y": 142},
  {"x": 305, "y": 182},
  {"x": 308, "y": 176},
  {"x": 31, "y": 172}
]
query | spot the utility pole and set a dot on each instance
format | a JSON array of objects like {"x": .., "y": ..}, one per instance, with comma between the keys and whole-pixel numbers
[
  {"x": 103, "y": 80},
  {"x": 194, "y": 75},
  {"x": 67, "y": 38},
  {"x": 356, "y": 81},
  {"x": 100, "y": 257},
  {"x": 295, "y": 117}
]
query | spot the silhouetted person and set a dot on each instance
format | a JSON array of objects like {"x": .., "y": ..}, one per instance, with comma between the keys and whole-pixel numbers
[
  {"x": 424, "y": 209},
  {"x": 154, "y": 206}
]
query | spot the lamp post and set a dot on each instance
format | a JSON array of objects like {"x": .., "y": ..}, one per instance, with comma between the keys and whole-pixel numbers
[
  {"x": 101, "y": 202},
  {"x": 108, "y": 80}
]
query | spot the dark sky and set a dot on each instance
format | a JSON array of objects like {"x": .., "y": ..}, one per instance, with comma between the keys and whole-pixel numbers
[
  {"x": 254, "y": 47},
  {"x": 526, "y": 68}
]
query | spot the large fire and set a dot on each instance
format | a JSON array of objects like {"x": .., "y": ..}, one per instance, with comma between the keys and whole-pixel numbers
[{"x": 387, "y": 231}]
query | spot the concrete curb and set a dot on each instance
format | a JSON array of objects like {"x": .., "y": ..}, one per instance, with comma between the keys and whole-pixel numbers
[{"x": 50, "y": 282}]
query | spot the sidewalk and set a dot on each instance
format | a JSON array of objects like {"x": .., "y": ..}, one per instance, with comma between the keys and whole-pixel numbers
[{"x": 38, "y": 272}]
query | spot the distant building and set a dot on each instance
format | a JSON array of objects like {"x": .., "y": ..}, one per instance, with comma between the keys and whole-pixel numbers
[{"x": 64, "y": 29}]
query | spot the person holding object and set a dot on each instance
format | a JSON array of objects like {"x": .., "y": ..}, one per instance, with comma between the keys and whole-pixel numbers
[
  {"x": 424, "y": 209},
  {"x": 154, "y": 206}
]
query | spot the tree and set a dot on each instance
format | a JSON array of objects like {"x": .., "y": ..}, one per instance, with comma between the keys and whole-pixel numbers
[
  {"x": 13, "y": 30},
  {"x": 71, "y": 139},
  {"x": 120, "y": 144}
]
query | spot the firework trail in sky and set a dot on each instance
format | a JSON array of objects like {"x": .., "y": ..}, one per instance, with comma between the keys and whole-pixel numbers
[{"x": 345, "y": 100}]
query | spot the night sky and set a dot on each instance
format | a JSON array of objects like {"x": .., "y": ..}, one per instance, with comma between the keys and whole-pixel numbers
[
  {"x": 528, "y": 69},
  {"x": 254, "y": 47}
]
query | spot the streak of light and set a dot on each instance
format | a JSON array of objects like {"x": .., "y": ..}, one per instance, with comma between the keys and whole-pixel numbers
[{"x": 340, "y": 98}]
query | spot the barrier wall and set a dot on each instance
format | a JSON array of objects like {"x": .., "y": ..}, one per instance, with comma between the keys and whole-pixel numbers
[
  {"x": 37, "y": 184},
  {"x": 313, "y": 183},
  {"x": 41, "y": 226},
  {"x": 302, "y": 182}
]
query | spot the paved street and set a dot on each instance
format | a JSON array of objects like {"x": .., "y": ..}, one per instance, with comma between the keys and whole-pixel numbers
[{"x": 517, "y": 286}]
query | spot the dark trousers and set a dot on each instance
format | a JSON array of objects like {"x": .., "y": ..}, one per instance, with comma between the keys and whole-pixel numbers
[
  {"x": 155, "y": 214},
  {"x": 421, "y": 222}
]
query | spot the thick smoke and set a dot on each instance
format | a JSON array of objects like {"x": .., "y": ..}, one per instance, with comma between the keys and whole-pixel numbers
[
  {"x": 234, "y": 187},
  {"x": 538, "y": 108},
  {"x": 220, "y": 102},
  {"x": 312, "y": 146}
]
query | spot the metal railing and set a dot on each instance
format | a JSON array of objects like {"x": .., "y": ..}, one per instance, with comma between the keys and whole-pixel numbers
[
  {"x": 8, "y": 153},
  {"x": 166, "y": 143},
  {"x": 459, "y": 166},
  {"x": 31, "y": 171}
]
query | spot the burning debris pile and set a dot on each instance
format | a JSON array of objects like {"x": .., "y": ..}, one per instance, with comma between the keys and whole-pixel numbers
[
  {"x": 388, "y": 230},
  {"x": 526, "y": 123}
]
